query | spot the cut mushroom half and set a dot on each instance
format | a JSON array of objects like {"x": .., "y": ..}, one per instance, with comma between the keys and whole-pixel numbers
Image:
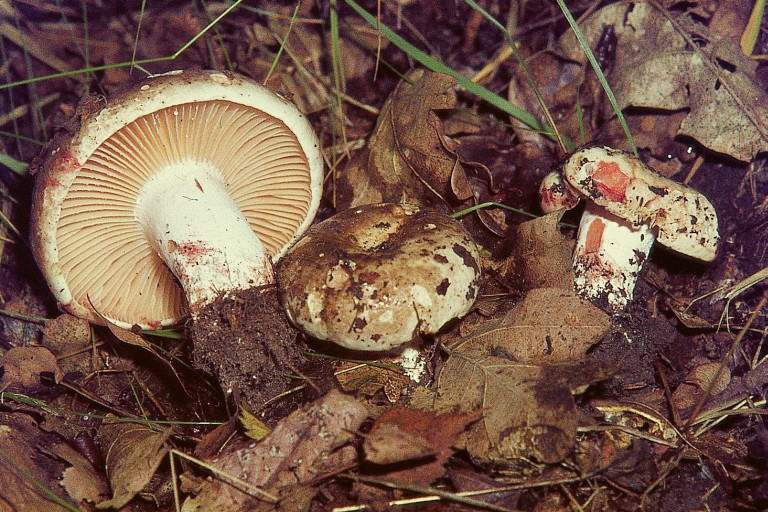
[
  {"x": 170, "y": 195},
  {"x": 629, "y": 206}
]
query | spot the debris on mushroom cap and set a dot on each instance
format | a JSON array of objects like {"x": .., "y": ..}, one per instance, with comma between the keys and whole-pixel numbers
[
  {"x": 624, "y": 186},
  {"x": 87, "y": 235},
  {"x": 376, "y": 276},
  {"x": 556, "y": 194}
]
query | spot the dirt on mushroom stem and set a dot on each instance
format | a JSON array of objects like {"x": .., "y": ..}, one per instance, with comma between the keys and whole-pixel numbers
[{"x": 245, "y": 340}]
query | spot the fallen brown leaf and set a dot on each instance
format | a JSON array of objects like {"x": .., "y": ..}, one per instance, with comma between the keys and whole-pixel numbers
[
  {"x": 81, "y": 480},
  {"x": 27, "y": 477},
  {"x": 132, "y": 453},
  {"x": 22, "y": 367},
  {"x": 525, "y": 414},
  {"x": 700, "y": 380},
  {"x": 422, "y": 437},
  {"x": 367, "y": 380},
  {"x": 306, "y": 444},
  {"x": 406, "y": 160},
  {"x": 541, "y": 255},
  {"x": 549, "y": 326},
  {"x": 655, "y": 67}
]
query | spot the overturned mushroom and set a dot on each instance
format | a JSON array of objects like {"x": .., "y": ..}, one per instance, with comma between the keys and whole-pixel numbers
[
  {"x": 629, "y": 206},
  {"x": 173, "y": 197},
  {"x": 376, "y": 276}
]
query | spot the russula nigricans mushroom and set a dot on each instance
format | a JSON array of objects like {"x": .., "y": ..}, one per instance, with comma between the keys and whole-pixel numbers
[
  {"x": 172, "y": 197},
  {"x": 377, "y": 276},
  {"x": 198, "y": 175},
  {"x": 629, "y": 206}
]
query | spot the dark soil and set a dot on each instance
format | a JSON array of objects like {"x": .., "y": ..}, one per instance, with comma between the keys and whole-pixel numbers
[{"x": 245, "y": 340}]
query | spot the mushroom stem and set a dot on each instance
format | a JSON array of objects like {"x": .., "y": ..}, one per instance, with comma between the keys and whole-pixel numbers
[
  {"x": 608, "y": 257},
  {"x": 194, "y": 225}
]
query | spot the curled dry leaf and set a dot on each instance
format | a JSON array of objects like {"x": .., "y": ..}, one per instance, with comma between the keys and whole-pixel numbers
[
  {"x": 541, "y": 255},
  {"x": 656, "y": 68},
  {"x": 367, "y": 380},
  {"x": 132, "y": 453},
  {"x": 81, "y": 480},
  {"x": 699, "y": 381},
  {"x": 422, "y": 438},
  {"x": 406, "y": 160}
]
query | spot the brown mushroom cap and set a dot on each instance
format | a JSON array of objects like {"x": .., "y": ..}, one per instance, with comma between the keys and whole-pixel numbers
[
  {"x": 376, "y": 276},
  {"x": 84, "y": 232},
  {"x": 624, "y": 186}
]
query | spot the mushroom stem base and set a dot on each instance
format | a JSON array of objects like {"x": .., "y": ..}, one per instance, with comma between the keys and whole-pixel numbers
[
  {"x": 245, "y": 341},
  {"x": 608, "y": 258}
]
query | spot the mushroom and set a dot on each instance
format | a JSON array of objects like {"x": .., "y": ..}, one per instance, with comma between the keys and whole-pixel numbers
[
  {"x": 376, "y": 276},
  {"x": 629, "y": 206},
  {"x": 173, "y": 197},
  {"x": 199, "y": 175}
]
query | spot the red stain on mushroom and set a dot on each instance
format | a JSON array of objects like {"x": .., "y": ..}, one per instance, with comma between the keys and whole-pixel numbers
[
  {"x": 610, "y": 182},
  {"x": 594, "y": 236},
  {"x": 193, "y": 249},
  {"x": 68, "y": 160}
]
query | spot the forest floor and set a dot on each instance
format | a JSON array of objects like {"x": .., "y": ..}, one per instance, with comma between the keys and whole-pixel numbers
[{"x": 535, "y": 400}]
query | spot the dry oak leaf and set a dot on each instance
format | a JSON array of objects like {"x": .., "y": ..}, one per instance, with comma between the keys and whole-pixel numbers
[
  {"x": 548, "y": 326},
  {"x": 526, "y": 414},
  {"x": 656, "y": 68},
  {"x": 422, "y": 437},
  {"x": 406, "y": 159}
]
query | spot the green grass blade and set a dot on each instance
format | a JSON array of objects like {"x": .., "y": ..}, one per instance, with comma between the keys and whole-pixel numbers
[
  {"x": 282, "y": 45},
  {"x": 15, "y": 165},
  {"x": 566, "y": 144},
  {"x": 437, "y": 66},
  {"x": 599, "y": 72}
]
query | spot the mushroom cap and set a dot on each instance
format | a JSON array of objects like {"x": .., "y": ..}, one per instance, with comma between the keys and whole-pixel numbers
[
  {"x": 624, "y": 186},
  {"x": 555, "y": 194},
  {"x": 84, "y": 234},
  {"x": 376, "y": 276}
]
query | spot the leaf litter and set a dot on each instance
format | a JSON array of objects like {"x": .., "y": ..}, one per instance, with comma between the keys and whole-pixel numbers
[{"x": 537, "y": 397}]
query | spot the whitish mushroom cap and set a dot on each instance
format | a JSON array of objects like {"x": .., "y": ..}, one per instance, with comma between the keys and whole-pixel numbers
[
  {"x": 624, "y": 186},
  {"x": 556, "y": 194},
  {"x": 376, "y": 276},
  {"x": 84, "y": 232}
]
